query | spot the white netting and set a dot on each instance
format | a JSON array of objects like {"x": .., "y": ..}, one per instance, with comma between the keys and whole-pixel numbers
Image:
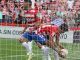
[{"x": 12, "y": 22}]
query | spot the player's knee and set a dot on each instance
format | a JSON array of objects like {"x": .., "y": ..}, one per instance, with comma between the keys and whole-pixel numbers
[{"x": 21, "y": 40}]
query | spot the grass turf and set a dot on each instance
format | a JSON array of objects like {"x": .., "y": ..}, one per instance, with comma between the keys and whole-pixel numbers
[{"x": 11, "y": 49}]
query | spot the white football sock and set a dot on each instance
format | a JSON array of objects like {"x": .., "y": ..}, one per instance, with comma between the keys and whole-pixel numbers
[
  {"x": 26, "y": 45},
  {"x": 30, "y": 47},
  {"x": 46, "y": 55},
  {"x": 56, "y": 56}
]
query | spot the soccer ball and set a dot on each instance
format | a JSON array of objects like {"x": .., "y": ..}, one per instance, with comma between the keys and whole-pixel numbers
[{"x": 64, "y": 52}]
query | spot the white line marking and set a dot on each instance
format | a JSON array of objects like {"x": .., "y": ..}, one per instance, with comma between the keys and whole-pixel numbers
[
  {"x": 12, "y": 56},
  {"x": 18, "y": 56}
]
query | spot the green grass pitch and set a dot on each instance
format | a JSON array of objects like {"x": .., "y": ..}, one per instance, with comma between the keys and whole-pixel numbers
[{"x": 11, "y": 49}]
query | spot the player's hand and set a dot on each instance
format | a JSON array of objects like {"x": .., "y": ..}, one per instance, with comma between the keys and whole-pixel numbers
[
  {"x": 60, "y": 54},
  {"x": 45, "y": 48}
]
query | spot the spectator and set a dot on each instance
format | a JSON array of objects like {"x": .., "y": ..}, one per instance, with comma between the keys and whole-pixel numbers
[
  {"x": 70, "y": 22},
  {"x": 10, "y": 10},
  {"x": 14, "y": 16},
  {"x": 17, "y": 0},
  {"x": 57, "y": 21},
  {"x": 70, "y": 4},
  {"x": 0, "y": 15},
  {"x": 19, "y": 19},
  {"x": 77, "y": 19},
  {"x": 4, "y": 12},
  {"x": 3, "y": 2}
]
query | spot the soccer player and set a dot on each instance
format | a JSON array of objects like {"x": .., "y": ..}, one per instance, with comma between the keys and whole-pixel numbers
[
  {"x": 40, "y": 39},
  {"x": 50, "y": 31},
  {"x": 53, "y": 30},
  {"x": 28, "y": 45}
]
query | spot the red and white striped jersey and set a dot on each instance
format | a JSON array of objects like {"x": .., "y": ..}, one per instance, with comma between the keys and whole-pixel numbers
[
  {"x": 22, "y": 1},
  {"x": 11, "y": 7},
  {"x": 31, "y": 16},
  {"x": 51, "y": 29}
]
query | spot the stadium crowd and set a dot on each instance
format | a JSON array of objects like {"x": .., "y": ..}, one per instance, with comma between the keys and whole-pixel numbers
[{"x": 17, "y": 12}]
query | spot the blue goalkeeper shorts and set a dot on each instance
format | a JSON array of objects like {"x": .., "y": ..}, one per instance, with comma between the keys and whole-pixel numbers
[{"x": 36, "y": 37}]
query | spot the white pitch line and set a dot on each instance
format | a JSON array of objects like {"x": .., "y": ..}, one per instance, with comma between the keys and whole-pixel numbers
[
  {"x": 17, "y": 56},
  {"x": 12, "y": 56}
]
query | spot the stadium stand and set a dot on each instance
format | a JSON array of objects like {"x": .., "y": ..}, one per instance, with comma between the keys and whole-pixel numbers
[{"x": 12, "y": 13}]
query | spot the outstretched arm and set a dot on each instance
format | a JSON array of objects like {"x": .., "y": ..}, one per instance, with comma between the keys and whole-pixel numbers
[{"x": 24, "y": 29}]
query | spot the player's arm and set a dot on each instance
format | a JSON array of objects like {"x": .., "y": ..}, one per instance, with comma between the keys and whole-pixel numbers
[
  {"x": 27, "y": 25},
  {"x": 38, "y": 44},
  {"x": 24, "y": 30},
  {"x": 57, "y": 42},
  {"x": 42, "y": 47}
]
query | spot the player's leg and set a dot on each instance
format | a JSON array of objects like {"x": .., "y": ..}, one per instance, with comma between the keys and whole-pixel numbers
[
  {"x": 46, "y": 51},
  {"x": 40, "y": 41},
  {"x": 24, "y": 41},
  {"x": 30, "y": 47},
  {"x": 56, "y": 56},
  {"x": 50, "y": 43}
]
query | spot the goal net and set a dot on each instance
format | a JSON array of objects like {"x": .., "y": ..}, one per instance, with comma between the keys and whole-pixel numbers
[{"x": 13, "y": 22}]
